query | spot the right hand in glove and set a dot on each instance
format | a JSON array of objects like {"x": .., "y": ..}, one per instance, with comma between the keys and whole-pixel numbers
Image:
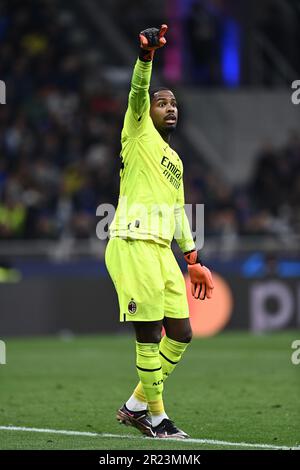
[{"x": 150, "y": 40}]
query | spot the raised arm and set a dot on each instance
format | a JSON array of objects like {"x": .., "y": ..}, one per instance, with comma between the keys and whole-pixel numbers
[{"x": 139, "y": 101}]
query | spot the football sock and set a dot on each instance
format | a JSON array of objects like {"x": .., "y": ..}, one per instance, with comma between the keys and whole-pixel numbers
[
  {"x": 149, "y": 369},
  {"x": 170, "y": 353},
  {"x": 134, "y": 404}
]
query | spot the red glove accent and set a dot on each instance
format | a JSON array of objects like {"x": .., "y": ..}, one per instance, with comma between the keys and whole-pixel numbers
[
  {"x": 150, "y": 40},
  {"x": 201, "y": 278}
]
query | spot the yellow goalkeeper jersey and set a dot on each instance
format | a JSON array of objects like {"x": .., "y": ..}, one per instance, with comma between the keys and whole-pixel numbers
[{"x": 151, "y": 200}]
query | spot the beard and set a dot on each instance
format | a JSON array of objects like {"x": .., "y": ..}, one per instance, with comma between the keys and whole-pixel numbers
[{"x": 167, "y": 130}]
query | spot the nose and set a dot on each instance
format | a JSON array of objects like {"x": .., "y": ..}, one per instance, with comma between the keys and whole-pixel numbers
[{"x": 170, "y": 108}]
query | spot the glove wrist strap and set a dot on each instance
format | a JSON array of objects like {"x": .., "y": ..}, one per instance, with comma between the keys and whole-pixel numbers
[
  {"x": 192, "y": 257},
  {"x": 145, "y": 55}
]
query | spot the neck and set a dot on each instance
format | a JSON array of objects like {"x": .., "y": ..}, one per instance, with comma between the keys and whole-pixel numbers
[{"x": 166, "y": 136}]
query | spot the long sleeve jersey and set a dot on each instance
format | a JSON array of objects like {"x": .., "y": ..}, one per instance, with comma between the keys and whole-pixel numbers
[{"x": 151, "y": 200}]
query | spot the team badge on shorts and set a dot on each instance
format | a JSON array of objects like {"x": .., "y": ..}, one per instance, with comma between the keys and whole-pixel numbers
[{"x": 132, "y": 307}]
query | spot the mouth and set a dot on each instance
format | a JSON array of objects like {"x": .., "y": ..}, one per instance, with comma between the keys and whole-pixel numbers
[{"x": 170, "y": 119}]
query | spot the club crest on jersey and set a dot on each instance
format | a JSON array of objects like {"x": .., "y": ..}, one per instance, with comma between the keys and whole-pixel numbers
[{"x": 132, "y": 307}]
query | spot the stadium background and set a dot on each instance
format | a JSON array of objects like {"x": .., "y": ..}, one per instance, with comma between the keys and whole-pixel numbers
[
  {"x": 67, "y": 67},
  {"x": 67, "y": 71}
]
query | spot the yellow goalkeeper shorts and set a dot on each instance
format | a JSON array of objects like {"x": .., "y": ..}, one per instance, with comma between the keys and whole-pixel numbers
[{"x": 148, "y": 280}]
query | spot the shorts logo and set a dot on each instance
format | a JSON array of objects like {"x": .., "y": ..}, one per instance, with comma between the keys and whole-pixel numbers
[{"x": 132, "y": 307}]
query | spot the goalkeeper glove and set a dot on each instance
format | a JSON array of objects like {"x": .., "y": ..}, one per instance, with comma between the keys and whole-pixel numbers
[
  {"x": 201, "y": 278},
  {"x": 150, "y": 40}
]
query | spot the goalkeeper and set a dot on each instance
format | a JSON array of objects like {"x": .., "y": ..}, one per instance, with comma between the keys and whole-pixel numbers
[{"x": 150, "y": 286}]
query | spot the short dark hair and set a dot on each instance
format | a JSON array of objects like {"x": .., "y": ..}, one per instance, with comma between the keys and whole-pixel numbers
[{"x": 152, "y": 91}]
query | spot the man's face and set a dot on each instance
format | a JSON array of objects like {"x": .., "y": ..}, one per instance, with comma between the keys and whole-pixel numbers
[{"x": 163, "y": 111}]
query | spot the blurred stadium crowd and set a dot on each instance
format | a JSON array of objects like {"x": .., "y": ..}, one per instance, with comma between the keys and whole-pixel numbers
[{"x": 60, "y": 141}]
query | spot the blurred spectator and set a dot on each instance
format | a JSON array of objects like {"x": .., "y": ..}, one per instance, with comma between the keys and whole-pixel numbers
[
  {"x": 60, "y": 133},
  {"x": 203, "y": 35},
  {"x": 12, "y": 217}
]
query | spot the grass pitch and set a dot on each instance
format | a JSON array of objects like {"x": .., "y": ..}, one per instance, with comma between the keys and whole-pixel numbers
[{"x": 234, "y": 387}]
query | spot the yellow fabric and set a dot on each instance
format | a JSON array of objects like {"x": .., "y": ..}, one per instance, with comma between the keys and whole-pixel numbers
[
  {"x": 150, "y": 373},
  {"x": 171, "y": 350},
  {"x": 148, "y": 280},
  {"x": 13, "y": 218},
  {"x": 156, "y": 407},
  {"x": 151, "y": 201},
  {"x": 139, "y": 392}
]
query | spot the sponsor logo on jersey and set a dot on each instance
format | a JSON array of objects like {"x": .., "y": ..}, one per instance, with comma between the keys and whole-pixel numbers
[{"x": 171, "y": 172}]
